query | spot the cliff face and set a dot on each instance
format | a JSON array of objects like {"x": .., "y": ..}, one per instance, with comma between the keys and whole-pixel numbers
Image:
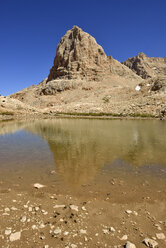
[
  {"x": 78, "y": 56},
  {"x": 147, "y": 67}
]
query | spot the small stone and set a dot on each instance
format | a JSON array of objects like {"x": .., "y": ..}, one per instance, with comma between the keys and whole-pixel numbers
[
  {"x": 15, "y": 236},
  {"x": 129, "y": 245},
  {"x": 83, "y": 208},
  {"x": 13, "y": 208},
  {"x": 73, "y": 246},
  {"x": 42, "y": 226},
  {"x": 160, "y": 235},
  {"x": 8, "y": 232},
  {"x": 34, "y": 227},
  {"x": 30, "y": 209},
  {"x": 83, "y": 231},
  {"x": 111, "y": 229},
  {"x": 65, "y": 233},
  {"x": 59, "y": 206},
  {"x": 150, "y": 242},
  {"x": 37, "y": 209},
  {"x": 105, "y": 231},
  {"x": 7, "y": 210},
  {"x": 125, "y": 237},
  {"x": 57, "y": 231},
  {"x": 128, "y": 211},
  {"x": 23, "y": 219},
  {"x": 38, "y": 186},
  {"x": 74, "y": 207},
  {"x": 46, "y": 246},
  {"x": 135, "y": 213}
]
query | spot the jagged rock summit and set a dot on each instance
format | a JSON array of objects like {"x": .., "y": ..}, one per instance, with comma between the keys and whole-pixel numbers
[
  {"x": 79, "y": 56},
  {"x": 147, "y": 67}
]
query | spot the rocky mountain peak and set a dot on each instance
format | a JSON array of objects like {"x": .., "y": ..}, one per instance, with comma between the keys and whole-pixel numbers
[
  {"x": 147, "y": 67},
  {"x": 79, "y": 56}
]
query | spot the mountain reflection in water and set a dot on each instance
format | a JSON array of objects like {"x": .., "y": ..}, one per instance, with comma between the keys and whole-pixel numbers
[{"x": 81, "y": 147}]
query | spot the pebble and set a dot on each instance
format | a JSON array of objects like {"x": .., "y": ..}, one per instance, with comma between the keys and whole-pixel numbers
[
  {"x": 129, "y": 245},
  {"x": 15, "y": 236},
  {"x": 73, "y": 246},
  {"x": 125, "y": 237},
  {"x": 38, "y": 186},
  {"x": 57, "y": 231},
  {"x": 83, "y": 231},
  {"x": 74, "y": 207},
  {"x": 112, "y": 229},
  {"x": 105, "y": 231},
  {"x": 8, "y": 232},
  {"x": 65, "y": 233},
  {"x": 59, "y": 206},
  {"x": 160, "y": 235},
  {"x": 23, "y": 219},
  {"x": 128, "y": 211},
  {"x": 150, "y": 242}
]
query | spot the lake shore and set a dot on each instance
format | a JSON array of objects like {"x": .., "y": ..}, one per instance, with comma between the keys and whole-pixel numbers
[
  {"x": 28, "y": 116},
  {"x": 108, "y": 212}
]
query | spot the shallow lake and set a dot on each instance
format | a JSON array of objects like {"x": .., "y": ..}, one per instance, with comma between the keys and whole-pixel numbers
[{"x": 76, "y": 152}]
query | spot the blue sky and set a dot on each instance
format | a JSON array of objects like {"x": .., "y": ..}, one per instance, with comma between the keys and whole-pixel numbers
[{"x": 31, "y": 29}]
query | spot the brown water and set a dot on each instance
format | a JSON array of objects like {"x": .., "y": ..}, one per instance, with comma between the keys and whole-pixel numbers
[{"x": 80, "y": 150}]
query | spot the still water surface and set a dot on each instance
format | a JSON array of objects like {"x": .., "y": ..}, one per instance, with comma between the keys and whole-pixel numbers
[{"x": 79, "y": 149}]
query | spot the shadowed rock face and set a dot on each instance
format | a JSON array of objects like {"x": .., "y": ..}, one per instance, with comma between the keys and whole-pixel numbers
[
  {"x": 147, "y": 67},
  {"x": 79, "y": 56}
]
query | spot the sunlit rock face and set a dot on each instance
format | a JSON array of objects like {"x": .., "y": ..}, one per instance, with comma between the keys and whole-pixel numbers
[
  {"x": 147, "y": 67},
  {"x": 79, "y": 56}
]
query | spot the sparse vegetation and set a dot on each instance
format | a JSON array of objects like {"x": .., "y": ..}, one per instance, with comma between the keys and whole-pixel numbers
[{"x": 6, "y": 113}]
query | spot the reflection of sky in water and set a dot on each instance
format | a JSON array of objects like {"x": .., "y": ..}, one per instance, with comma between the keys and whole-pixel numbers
[{"x": 80, "y": 148}]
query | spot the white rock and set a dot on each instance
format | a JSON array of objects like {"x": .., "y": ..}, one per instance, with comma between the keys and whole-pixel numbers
[
  {"x": 105, "y": 231},
  {"x": 7, "y": 210},
  {"x": 38, "y": 186},
  {"x": 37, "y": 208},
  {"x": 34, "y": 227},
  {"x": 30, "y": 209},
  {"x": 42, "y": 225},
  {"x": 129, "y": 245},
  {"x": 125, "y": 237},
  {"x": 160, "y": 235},
  {"x": 8, "y": 232},
  {"x": 59, "y": 206},
  {"x": 66, "y": 233},
  {"x": 73, "y": 246},
  {"x": 137, "y": 88},
  {"x": 111, "y": 229},
  {"x": 74, "y": 207},
  {"x": 82, "y": 231},
  {"x": 23, "y": 219},
  {"x": 57, "y": 231},
  {"x": 83, "y": 208},
  {"x": 15, "y": 236},
  {"x": 13, "y": 208},
  {"x": 150, "y": 242},
  {"x": 128, "y": 211}
]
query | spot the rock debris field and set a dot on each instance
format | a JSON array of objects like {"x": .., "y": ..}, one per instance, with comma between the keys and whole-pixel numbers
[{"x": 45, "y": 217}]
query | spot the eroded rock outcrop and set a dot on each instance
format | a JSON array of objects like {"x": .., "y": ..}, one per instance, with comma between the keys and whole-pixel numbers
[
  {"x": 78, "y": 56},
  {"x": 147, "y": 67}
]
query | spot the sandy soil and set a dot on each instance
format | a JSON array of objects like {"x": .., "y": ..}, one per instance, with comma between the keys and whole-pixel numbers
[{"x": 113, "y": 209}]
